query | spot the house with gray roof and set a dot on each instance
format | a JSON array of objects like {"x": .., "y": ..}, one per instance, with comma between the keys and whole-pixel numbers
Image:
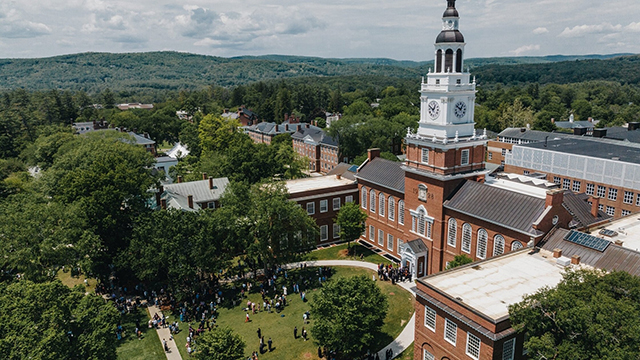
[
  {"x": 264, "y": 132},
  {"x": 192, "y": 195},
  {"x": 315, "y": 144}
]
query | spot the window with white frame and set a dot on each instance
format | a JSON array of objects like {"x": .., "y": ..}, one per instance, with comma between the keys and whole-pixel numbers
[
  {"x": 611, "y": 210},
  {"x": 392, "y": 208},
  {"x": 382, "y": 205},
  {"x": 481, "y": 251},
  {"x": 348, "y": 199},
  {"x": 508, "y": 349},
  {"x": 498, "y": 245},
  {"x": 602, "y": 191},
  {"x": 430, "y": 318},
  {"x": 336, "y": 204},
  {"x": 590, "y": 189},
  {"x": 452, "y": 233},
  {"x": 324, "y": 206},
  {"x": 526, "y": 172},
  {"x": 422, "y": 192},
  {"x": 466, "y": 238},
  {"x": 626, "y": 213},
  {"x": 380, "y": 237},
  {"x": 464, "y": 157},
  {"x": 399, "y": 243},
  {"x": 490, "y": 156},
  {"x": 516, "y": 245},
  {"x": 628, "y": 197},
  {"x": 556, "y": 180},
  {"x": 473, "y": 346},
  {"x": 372, "y": 233},
  {"x": 324, "y": 232},
  {"x": 390, "y": 242},
  {"x": 311, "y": 208},
  {"x": 566, "y": 184},
  {"x": 425, "y": 156},
  {"x": 504, "y": 152},
  {"x": 601, "y": 207},
  {"x": 613, "y": 194},
  {"x": 427, "y": 355},
  {"x": 576, "y": 186},
  {"x": 363, "y": 198},
  {"x": 401, "y": 212},
  {"x": 450, "y": 331},
  {"x": 336, "y": 231},
  {"x": 372, "y": 202},
  {"x": 638, "y": 200}
]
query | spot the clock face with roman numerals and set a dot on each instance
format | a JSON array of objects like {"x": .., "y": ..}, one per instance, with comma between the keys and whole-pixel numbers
[
  {"x": 434, "y": 109},
  {"x": 460, "y": 109}
]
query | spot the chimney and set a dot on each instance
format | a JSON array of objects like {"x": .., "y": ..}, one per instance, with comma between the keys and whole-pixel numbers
[
  {"x": 554, "y": 197},
  {"x": 159, "y": 195},
  {"x": 306, "y": 126},
  {"x": 373, "y": 153},
  {"x": 338, "y": 176},
  {"x": 190, "y": 199},
  {"x": 575, "y": 260},
  {"x": 179, "y": 179},
  {"x": 633, "y": 126},
  {"x": 557, "y": 253},
  {"x": 590, "y": 119},
  {"x": 595, "y": 203},
  {"x": 286, "y": 127},
  {"x": 553, "y": 121},
  {"x": 210, "y": 183},
  {"x": 163, "y": 204},
  {"x": 204, "y": 176}
]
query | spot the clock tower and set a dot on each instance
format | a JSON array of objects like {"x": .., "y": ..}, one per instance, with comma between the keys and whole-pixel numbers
[{"x": 446, "y": 150}]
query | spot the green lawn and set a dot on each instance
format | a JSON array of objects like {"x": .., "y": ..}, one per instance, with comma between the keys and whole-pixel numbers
[
  {"x": 339, "y": 252},
  {"x": 280, "y": 328},
  {"x": 148, "y": 348},
  {"x": 71, "y": 281},
  {"x": 407, "y": 354}
]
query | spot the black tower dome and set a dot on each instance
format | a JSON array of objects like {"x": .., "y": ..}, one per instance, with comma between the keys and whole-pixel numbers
[{"x": 453, "y": 35}]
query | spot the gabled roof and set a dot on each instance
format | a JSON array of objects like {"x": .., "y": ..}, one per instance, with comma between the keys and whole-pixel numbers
[
  {"x": 579, "y": 208},
  {"x": 199, "y": 189},
  {"x": 141, "y": 140},
  {"x": 314, "y": 134},
  {"x": 417, "y": 246},
  {"x": 178, "y": 151},
  {"x": 384, "y": 173},
  {"x": 506, "y": 208},
  {"x": 344, "y": 170}
]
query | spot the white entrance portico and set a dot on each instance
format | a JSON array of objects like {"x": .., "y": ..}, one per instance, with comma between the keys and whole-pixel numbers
[{"x": 414, "y": 256}]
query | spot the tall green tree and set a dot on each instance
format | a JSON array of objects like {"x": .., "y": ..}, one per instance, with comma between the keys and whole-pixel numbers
[
  {"x": 49, "y": 321},
  {"x": 349, "y": 313},
  {"x": 351, "y": 220},
  {"x": 589, "y": 315},
  {"x": 220, "y": 344}
]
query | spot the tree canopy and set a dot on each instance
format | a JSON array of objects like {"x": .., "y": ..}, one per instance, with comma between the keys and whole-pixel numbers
[
  {"x": 220, "y": 344},
  {"x": 348, "y": 313},
  {"x": 589, "y": 315},
  {"x": 351, "y": 220}
]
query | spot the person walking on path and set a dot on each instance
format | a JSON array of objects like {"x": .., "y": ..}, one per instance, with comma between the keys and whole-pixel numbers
[
  {"x": 295, "y": 332},
  {"x": 270, "y": 343}
]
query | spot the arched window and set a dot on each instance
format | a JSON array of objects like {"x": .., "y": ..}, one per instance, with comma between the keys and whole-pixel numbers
[
  {"x": 481, "y": 251},
  {"x": 498, "y": 245},
  {"x": 372, "y": 202},
  {"x": 363, "y": 198},
  {"x": 401, "y": 212},
  {"x": 392, "y": 208},
  {"x": 466, "y": 238},
  {"x": 453, "y": 232},
  {"x": 459, "y": 61},
  {"x": 382, "y": 205},
  {"x": 439, "y": 61},
  {"x": 448, "y": 61},
  {"x": 516, "y": 245}
]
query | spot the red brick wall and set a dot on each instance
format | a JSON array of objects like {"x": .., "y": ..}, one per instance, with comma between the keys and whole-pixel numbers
[{"x": 495, "y": 148}]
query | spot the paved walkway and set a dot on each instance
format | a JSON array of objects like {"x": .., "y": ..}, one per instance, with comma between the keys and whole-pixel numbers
[
  {"x": 163, "y": 333},
  {"x": 405, "y": 339}
]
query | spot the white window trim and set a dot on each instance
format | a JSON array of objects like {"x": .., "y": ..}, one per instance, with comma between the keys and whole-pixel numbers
[
  {"x": 336, "y": 234},
  {"x": 432, "y": 315},
  {"x": 426, "y": 355},
  {"x": 469, "y": 337},
  {"x": 334, "y": 204},
  {"x": 425, "y": 151},
  {"x": 348, "y": 199},
  {"x": 462, "y": 240},
  {"x": 326, "y": 206},
  {"x": 313, "y": 208},
  {"x": 326, "y": 233},
  {"x": 509, "y": 346},
  {"x": 452, "y": 235},
  {"x": 462, "y": 155},
  {"x": 389, "y": 242},
  {"x": 447, "y": 324},
  {"x": 482, "y": 255}
]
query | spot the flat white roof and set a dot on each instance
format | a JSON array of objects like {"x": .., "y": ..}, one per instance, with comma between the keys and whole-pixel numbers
[
  {"x": 491, "y": 286},
  {"x": 627, "y": 229},
  {"x": 316, "y": 183},
  {"x": 514, "y": 183}
]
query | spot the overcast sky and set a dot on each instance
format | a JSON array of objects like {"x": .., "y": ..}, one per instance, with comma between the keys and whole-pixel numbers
[{"x": 397, "y": 29}]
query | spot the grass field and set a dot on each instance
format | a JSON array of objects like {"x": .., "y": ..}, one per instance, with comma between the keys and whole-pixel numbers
[
  {"x": 407, "y": 354},
  {"x": 148, "y": 348},
  {"x": 280, "y": 326},
  {"x": 71, "y": 281},
  {"x": 339, "y": 252}
]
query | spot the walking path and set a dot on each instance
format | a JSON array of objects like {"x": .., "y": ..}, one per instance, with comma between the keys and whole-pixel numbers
[
  {"x": 163, "y": 333},
  {"x": 405, "y": 339},
  {"x": 400, "y": 344}
]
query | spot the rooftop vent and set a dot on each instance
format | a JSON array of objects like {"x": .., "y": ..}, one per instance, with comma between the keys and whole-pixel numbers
[{"x": 563, "y": 261}]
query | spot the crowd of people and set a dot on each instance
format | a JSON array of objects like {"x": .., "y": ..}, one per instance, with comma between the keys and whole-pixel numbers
[{"x": 395, "y": 274}]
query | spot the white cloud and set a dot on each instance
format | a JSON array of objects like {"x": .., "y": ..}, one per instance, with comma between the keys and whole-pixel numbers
[
  {"x": 525, "y": 49},
  {"x": 634, "y": 26},
  {"x": 581, "y": 30},
  {"x": 13, "y": 25},
  {"x": 540, "y": 30}
]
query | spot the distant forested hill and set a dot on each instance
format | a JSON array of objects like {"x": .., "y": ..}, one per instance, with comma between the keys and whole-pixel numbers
[{"x": 94, "y": 72}]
